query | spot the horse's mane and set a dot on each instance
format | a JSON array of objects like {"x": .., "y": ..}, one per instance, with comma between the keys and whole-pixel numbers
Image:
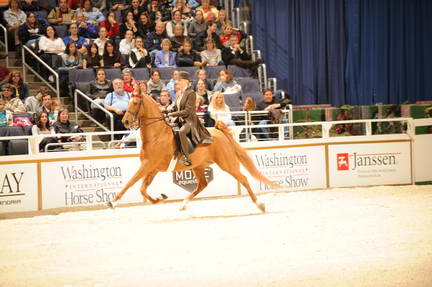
[{"x": 151, "y": 104}]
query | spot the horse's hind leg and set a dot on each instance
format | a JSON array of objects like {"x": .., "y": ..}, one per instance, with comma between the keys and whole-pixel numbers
[{"x": 201, "y": 184}]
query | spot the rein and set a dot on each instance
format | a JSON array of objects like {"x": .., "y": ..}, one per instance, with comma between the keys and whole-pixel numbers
[{"x": 134, "y": 115}]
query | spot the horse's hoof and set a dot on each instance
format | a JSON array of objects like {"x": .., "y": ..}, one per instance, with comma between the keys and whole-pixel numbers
[
  {"x": 261, "y": 206},
  {"x": 110, "y": 204},
  {"x": 163, "y": 196}
]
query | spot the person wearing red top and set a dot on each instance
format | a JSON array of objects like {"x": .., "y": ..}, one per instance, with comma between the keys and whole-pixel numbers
[
  {"x": 225, "y": 36},
  {"x": 113, "y": 28},
  {"x": 74, "y": 4},
  {"x": 128, "y": 81}
]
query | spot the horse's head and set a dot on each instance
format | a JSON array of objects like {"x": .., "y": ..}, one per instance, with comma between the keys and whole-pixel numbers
[{"x": 135, "y": 108}]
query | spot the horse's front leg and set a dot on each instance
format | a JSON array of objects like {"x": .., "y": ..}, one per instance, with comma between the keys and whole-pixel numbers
[{"x": 146, "y": 182}]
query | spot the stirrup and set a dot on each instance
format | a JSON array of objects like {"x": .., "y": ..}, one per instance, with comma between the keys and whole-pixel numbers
[{"x": 185, "y": 161}]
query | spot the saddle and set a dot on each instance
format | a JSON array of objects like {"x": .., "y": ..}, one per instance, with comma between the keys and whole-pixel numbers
[{"x": 178, "y": 151}]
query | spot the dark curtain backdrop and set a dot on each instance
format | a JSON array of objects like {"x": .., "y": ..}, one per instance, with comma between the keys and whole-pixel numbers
[{"x": 347, "y": 51}]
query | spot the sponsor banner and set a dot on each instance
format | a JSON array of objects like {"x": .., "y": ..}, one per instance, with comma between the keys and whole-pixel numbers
[
  {"x": 294, "y": 168},
  {"x": 88, "y": 182},
  {"x": 370, "y": 164},
  {"x": 19, "y": 188},
  {"x": 178, "y": 185}
]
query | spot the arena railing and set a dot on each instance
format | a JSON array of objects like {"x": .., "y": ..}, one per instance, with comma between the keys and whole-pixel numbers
[
  {"x": 86, "y": 114},
  {"x": 5, "y": 43},
  {"x": 87, "y": 144},
  {"x": 55, "y": 89}
]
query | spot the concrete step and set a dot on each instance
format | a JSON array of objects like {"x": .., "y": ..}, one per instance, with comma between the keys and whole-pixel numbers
[{"x": 92, "y": 129}]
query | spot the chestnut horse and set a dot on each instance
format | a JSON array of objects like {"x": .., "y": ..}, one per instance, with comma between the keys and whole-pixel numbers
[{"x": 158, "y": 148}]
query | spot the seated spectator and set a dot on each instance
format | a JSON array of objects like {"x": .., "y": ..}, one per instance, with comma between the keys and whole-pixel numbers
[
  {"x": 128, "y": 24},
  {"x": 116, "y": 5},
  {"x": 5, "y": 115},
  {"x": 101, "y": 40},
  {"x": 219, "y": 111},
  {"x": 236, "y": 55},
  {"x": 93, "y": 59},
  {"x": 128, "y": 81},
  {"x": 86, "y": 30},
  {"x": 158, "y": 13},
  {"x": 178, "y": 38},
  {"x": 155, "y": 85},
  {"x": 207, "y": 9},
  {"x": 201, "y": 90},
  {"x": 126, "y": 45},
  {"x": 71, "y": 57},
  {"x": 49, "y": 106},
  {"x": 145, "y": 25},
  {"x": 99, "y": 88},
  {"x": 136, "y": 9},
  {"x": 209, "y": 33},
  {"x": 201, "y": 108},
  {"x": 43, "y": 127},
  {"x": 226, "y": 84},
  {"x": 92, "y": 14},
  {"x": 31, "y": 30},
  {"x": 31, "y": 6},
  {"x": 80, "y": 42},
  {"x": 100, "y": 4},
  {"x": 34, "y": 103},
  {"x": 113, "y": 28},
  {"x": 186, "y": 57},
  {"x": 139, "y": 57},
  {"x": 164, "y": 99},
  {"x": 176, "y": 20},
  {"x": 15, "y": 17},
  {"x": 61, "y": 15},
  {"x": 117, "y": 103},
  {"x": 74, "y": 4},
  {"x": 170, "y": 86},
  {"x": 154, "y": 39},
  {"x": 17, "y": 83},
  {"x": 185, "y": 11},
  {"x": 229, "y": 31},
  {"x": 52, "y": 46},
  {"x": 12, "y": 104},
  {"x": 165, "y": 57},
  {"x": 197, "y": 25},
  {"x": 201, "y": 74},
  {"x": 222, "y": 20},
  {"x": 63, "y": 125},
  {"x": 111, "y": 57},
  {"x": 211, "y": 56},
  {"x": 190, "y": 3}
]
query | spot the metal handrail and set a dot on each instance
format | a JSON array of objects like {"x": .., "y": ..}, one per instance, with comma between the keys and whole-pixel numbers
[
  {"x": 78, "y": 109},
  {"x": 55, "y": 74},
  {"x": 244, "y": 27},
  {"x": 237, "y": 17},
  {"x": 5, "y": 43},
  {"x": 262, "y": 76},
  {"x": 272, "y": 84},
  {"x": 72, "y": 143}
]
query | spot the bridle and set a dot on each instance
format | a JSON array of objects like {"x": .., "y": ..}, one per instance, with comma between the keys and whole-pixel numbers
[{"x": 135, "y": 115}]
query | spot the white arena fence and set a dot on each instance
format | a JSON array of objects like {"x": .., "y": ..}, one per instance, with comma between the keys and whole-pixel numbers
[{"x": 94, "y": 172}]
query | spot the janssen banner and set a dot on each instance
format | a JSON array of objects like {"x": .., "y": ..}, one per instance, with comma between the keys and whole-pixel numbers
[
  {"x": 19, "y": 188},
  {"x": 370, "y": 164},
  {"x": 294, "y": 168}
]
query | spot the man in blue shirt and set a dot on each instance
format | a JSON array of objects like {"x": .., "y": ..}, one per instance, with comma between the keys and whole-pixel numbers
[{"x": 117, "y": 103}]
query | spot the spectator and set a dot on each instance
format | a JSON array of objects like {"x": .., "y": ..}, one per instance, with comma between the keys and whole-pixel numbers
[
  {"x": 154, "y": 39},
  {"x": 184, "y": 10},
  {"x": 207, "y": 9},
  {"x": 99, "y": 88},
  {"x": 52, "y": 46},
  {"x": 219, "y": 111},
  {"x": 229, "y": 31},
  {"x": 5, "y": 115},
  {"x": 12, "y": 104},
  {"x": 34, "y": 103},
  {"x": 201, "y": 109},
  {"x": 155, "y": 85},
  {"x": 61, "y": 14},
  {"x": 30, "y": 6},
  {"x": 43, "y": 127},
  {"x": 101, "y": 41},
  {"x": 92, "y": 14},
  {"x": 71, "y": 57},
  {"x": 145, "y": 25},
  {"x": 139, "y": 57},
  {"x": 209, "y": 33},
  {"x": 117, "y": 5},
  {"x": 186, "y": 57},
  {"x": 111, "y": 57},
  {"x": 136, "y": 9},
  {"x": 63, "y": 125},
  {"x": 128, "y": 24},
  {"x": 190, "y": 3},
  {"x": 176, "y": 20},
  {"x": 93, "y": 59},
  {"x": 100, "y": 4},
  {"x": 165, "y": 57},
  {"x": 227, "y": 84},
  {"x": 117, "y": 102},
  {"x": 14, "y": 18},
  {"x": 222, "y": 20},
  {"x": 113, "y": 28},
  {"x": 178, "y": 38},
  {"x": 127, "y": 44},
  {"x": 74, "y": 4},
  {"x": 17, "y": 83},
  {"x": 249, "y": 105},
  {"x": 164, "y": 99},
  {"x": 211, "y": 56},
  {"x": 80, "y": 42},
  {"x": 201, "y": 74},
  {"x": 86, "y": 30},
  {"x": 50, "y": 107},
  {"x": 128, "y": 81},
  {"x": 197, "y": 25},
  {"x": 202, "y": 91},
  {"x": 157, "y": 13},
  {"x": 170, "y": 86},
  {"x": 31, "y": 30}
]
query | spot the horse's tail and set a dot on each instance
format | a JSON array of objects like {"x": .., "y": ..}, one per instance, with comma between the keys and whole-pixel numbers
[{"x": 244, "y": 158}]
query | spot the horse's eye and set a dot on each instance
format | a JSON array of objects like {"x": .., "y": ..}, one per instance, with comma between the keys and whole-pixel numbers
[{"x": 135, "y": 104}]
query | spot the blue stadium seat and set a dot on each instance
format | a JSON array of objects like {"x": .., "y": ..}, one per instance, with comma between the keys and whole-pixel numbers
[
  {"x": 112, "y": 74},
  {"x": 165, "y": 73},
  {"x": 239, "y": 72},
  {"x": 62, "y": 30},
  {"x": 17, "y": 147},
  {"x": 249, "y": 85},
  {"x": 233, "y": 101},
  {"x": 141, "y": 74},
  {"x": 213, "y": 71},
  {"x": 81, "y": 75},
  {"x": 190, "y": 70}
]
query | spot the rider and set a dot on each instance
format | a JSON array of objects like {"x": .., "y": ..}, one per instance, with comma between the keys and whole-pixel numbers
[{"x": 184, "y": 114}]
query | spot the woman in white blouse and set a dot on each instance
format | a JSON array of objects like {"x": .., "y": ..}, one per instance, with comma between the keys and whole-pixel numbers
[
  {"x": 52, "y": 47},
  {"x": 219, "y": 111}
]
